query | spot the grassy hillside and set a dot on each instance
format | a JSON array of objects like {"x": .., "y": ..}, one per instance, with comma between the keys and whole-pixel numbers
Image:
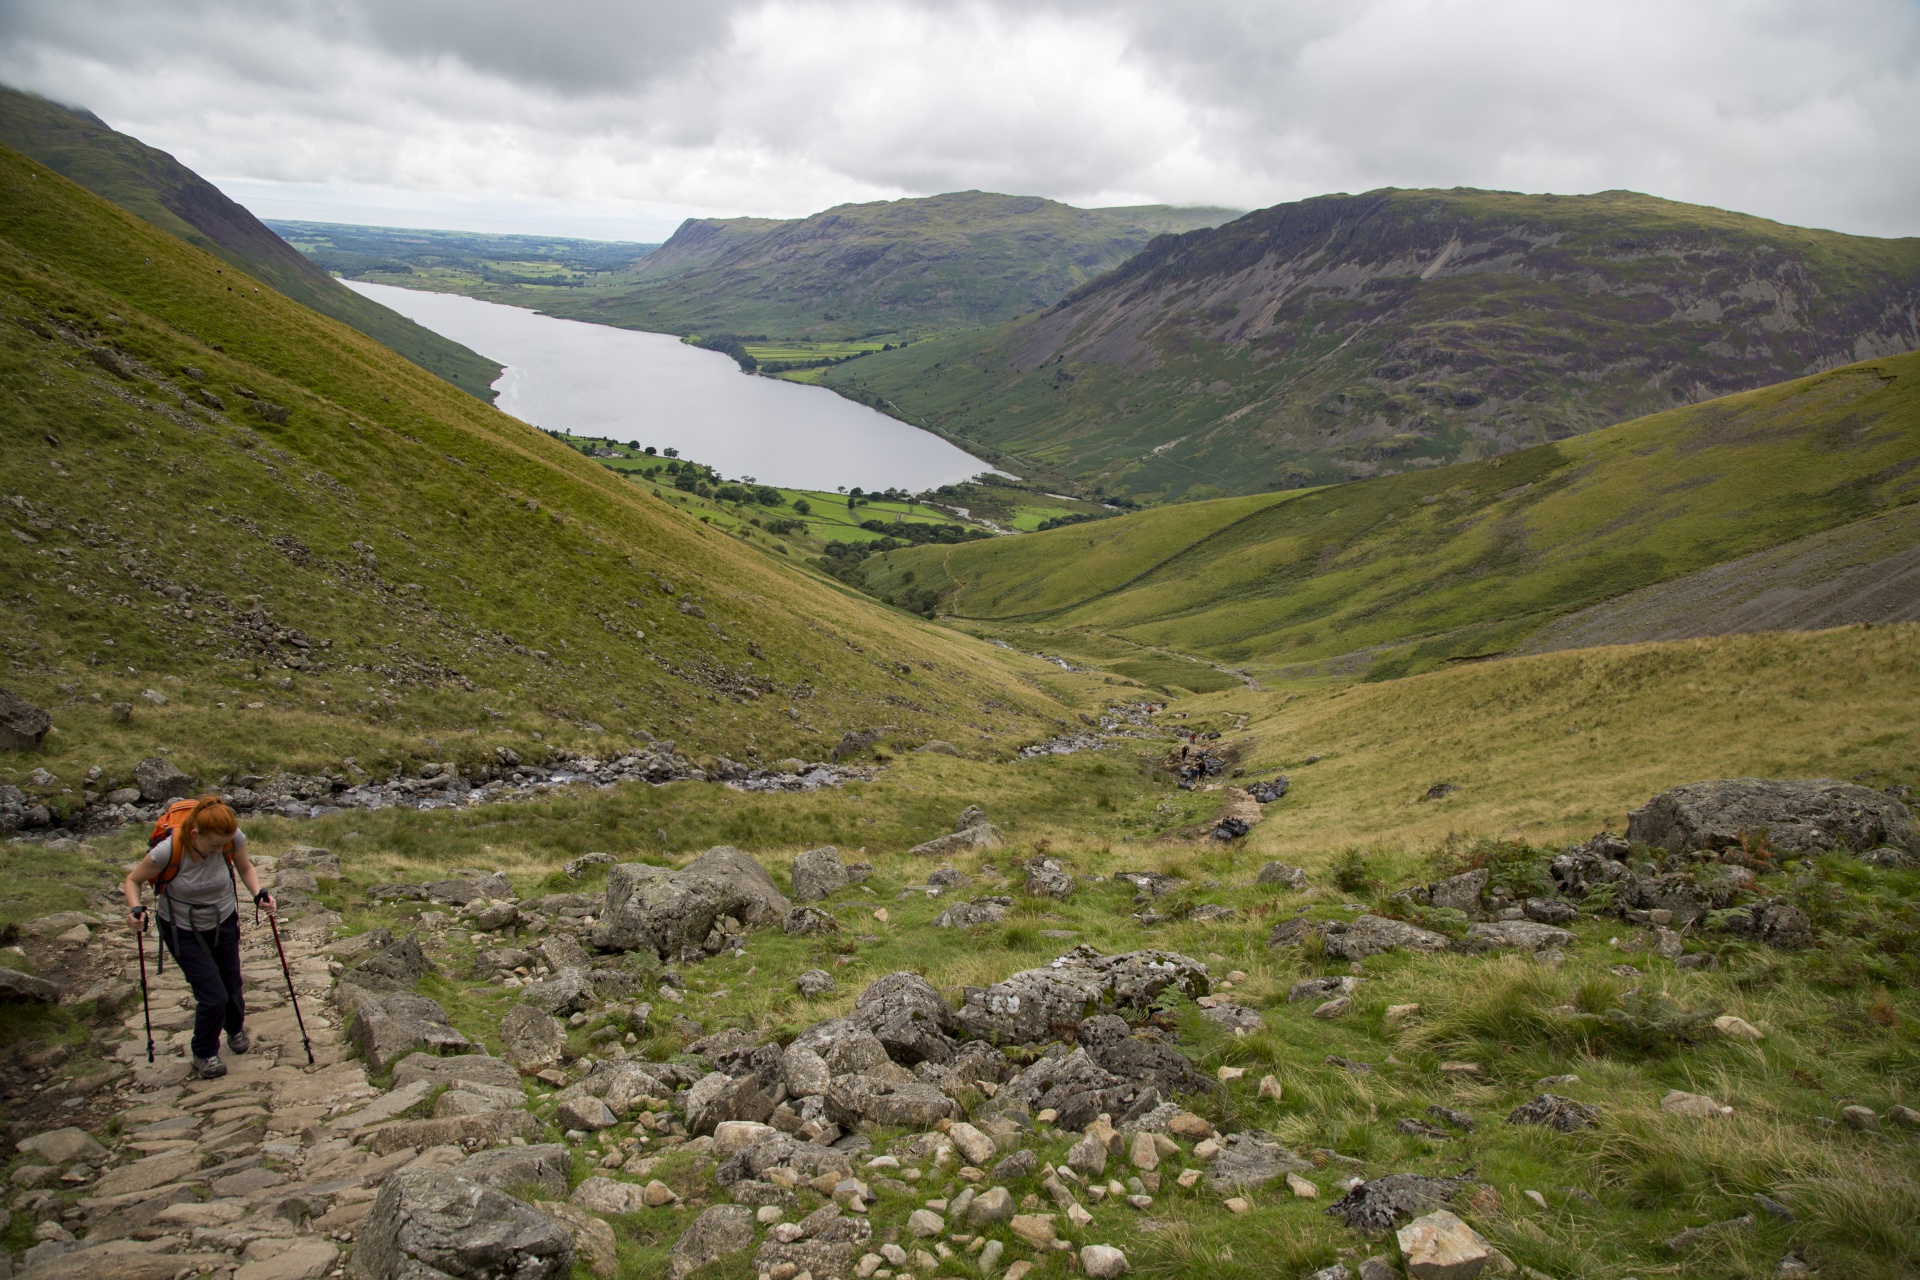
[
  {"x": 886, "y": 269},
  {"x": 1397, "y": 574},
  {"x": 1836, "y": 1020},
  {"x": 153, "y": 185},
  {"x": 314, "y": 549},
  {"x": 1353, "y": 336}
]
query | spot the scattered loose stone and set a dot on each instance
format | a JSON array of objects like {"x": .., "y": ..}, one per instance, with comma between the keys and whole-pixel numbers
[
  {"x": 1438, "y": 1246},
  {"x": 1697, "y": 1105}
]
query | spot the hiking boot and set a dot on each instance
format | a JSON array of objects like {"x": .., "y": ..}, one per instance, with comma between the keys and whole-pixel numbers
[
  {"x": 239, "y": 1041},
  {"x": 209, "y": 1068}
]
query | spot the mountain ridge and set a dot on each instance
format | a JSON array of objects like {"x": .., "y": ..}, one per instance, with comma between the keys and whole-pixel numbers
[
  {"x": 899, "y": 268},
  {"x": 154, "y": 186},
  {"x": 1347, "y": 336}
]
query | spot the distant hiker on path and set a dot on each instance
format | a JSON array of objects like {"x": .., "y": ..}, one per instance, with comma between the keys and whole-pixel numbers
[{"x": 196, "y": 851}]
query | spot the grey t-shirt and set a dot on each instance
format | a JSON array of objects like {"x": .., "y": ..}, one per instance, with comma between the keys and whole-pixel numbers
[{"x": 202, "y": 892}]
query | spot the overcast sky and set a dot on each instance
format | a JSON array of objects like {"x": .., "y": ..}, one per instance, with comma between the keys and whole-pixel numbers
[{"x": 615, "y": 120}]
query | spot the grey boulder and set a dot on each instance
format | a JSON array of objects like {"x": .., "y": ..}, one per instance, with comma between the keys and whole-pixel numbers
[
  {"x": 854, "y": 1101},
  {"x": 720, "y": 1229},
  {"x": 545, "y": 1166},
  {"x": 1376, "y": 935},
  {"x": 817, "y": 874},
  {"x": 1048, "y": 879},
  {"x": 388, "y": 1027},
  {"x": 532, "y": 1039},
  {"x": 649, "y": 908},
  {"x": 965, "y": 915},
  {"x": 398, "y": 966},
  {"x": 1525, "y": 934},
  {"x": 429, "y": 1224},
  {"x": 1795, "y": 817},
  {"x": 718, "y": 1097},
  {"x": 567, "y": 991},
  {"x": 1281, "y": 874},
  {"x": 23, "y": 726},
  {"x": 15, "y": 985},
  {"x": 160, "y": 780},
  {"x": 1031, "y": 1005},
  {"x": 908, "y": 1017},
  {"x": 1250, "y": 1160}
]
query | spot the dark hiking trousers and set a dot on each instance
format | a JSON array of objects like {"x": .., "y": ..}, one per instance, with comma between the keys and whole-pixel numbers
[{"x": 210, "y": 960}]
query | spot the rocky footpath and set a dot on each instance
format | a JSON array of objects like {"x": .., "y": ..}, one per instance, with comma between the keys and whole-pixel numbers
[{"x": 907, "y": 1137}]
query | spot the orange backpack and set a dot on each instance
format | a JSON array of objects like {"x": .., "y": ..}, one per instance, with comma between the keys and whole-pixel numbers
[{"x": 168, "y": 826}]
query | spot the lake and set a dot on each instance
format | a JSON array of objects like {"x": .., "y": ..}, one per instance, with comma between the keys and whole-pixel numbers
[{"x": 595, "y": 380}]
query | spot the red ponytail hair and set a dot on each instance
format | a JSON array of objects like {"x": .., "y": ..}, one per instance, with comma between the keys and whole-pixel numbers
[{"x": 210, "y": 815}]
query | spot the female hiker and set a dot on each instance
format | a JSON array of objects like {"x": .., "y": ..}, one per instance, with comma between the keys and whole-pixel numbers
[{"x": 192, "y": 870}]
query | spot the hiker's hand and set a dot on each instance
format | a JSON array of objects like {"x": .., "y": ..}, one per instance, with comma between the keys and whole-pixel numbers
[
  {"x": 137, "y": 918},
  {"x": 264, "y": 901}
]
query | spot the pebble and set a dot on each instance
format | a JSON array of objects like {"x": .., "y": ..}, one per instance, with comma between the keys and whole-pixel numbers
[{"x": 1237, "y": 1204}]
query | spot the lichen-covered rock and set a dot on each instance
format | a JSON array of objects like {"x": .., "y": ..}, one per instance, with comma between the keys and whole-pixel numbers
[
  {"x": 532, "y": 1039},
  {"x": 1048, "y": 879},
  {"x": 1074, "y": 1086},
  {"x": 777, "y": 1151},
  {"x": 1379, "y": 1205},
  {"x": 965, "y": 915},
  {"x": 1372, "y": 935},
  {"x": 567, "y": 991},
  {"x": 650, "y": 908},
  {"x": 1041, "y": 1004},
  {"x": 431, "y": 1224},
  {"x": 908, "y": 1017},
  {"x": 1281, "y": 874},
  {"x": 1438, "y": 1246},
  {"x": 720, "y": 1229},
  {"x": 1555, "y": 1112},
  {"x": 808, "y": 920},
  {"x": 23, "y": 726},
  {"x": 387, "y": 1027},
  {"x": 854, "y": 1101},
  {"x": 818, "y": 873},
  {"x": 1113, "y": 1046},
  {"x": 815, "y": 983},
  {"x": 543, "y": 1165},
  {"x": 717, "y": 1097},
  {"x": 464, "y": 889},
  {"x": 1525, "y": 934},
  {"x": 1462, "y": 892},
  {"x": 160, "y": 780},
  {"x": 1249, "y": 1160},
  {"x": 1795, "y": 817},
  {"x": 971, "y": 831}
]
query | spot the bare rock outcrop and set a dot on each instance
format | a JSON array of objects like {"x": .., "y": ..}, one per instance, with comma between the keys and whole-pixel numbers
[
  {"x": 1041, "y": 1004},
  {"x": 1795, "y": 817}
]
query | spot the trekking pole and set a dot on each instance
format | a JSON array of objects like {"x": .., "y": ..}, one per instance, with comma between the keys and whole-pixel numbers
[
  {"x": 274, "y": 924},
  {"x": 146, "y": 1009}
]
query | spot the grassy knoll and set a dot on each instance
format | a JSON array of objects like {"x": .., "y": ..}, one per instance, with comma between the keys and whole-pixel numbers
[
  {"x": 1404, "y": 572},
  {"x": 1546, "y": 749},
  {"x": 153, "y": 185},
  {"x": 1352, "y": 336},
  {"x": 220, "y": 496}
]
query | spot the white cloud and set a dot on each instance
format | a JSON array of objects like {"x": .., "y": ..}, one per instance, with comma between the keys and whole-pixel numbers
[{"x": 622, "y": 117}]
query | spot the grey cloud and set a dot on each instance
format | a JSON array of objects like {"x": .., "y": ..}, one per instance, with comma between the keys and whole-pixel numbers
[{"x": 780, "y": 106}]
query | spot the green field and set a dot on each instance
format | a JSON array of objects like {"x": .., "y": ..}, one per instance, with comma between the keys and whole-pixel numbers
[{"x": 1408, "y": 571}]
